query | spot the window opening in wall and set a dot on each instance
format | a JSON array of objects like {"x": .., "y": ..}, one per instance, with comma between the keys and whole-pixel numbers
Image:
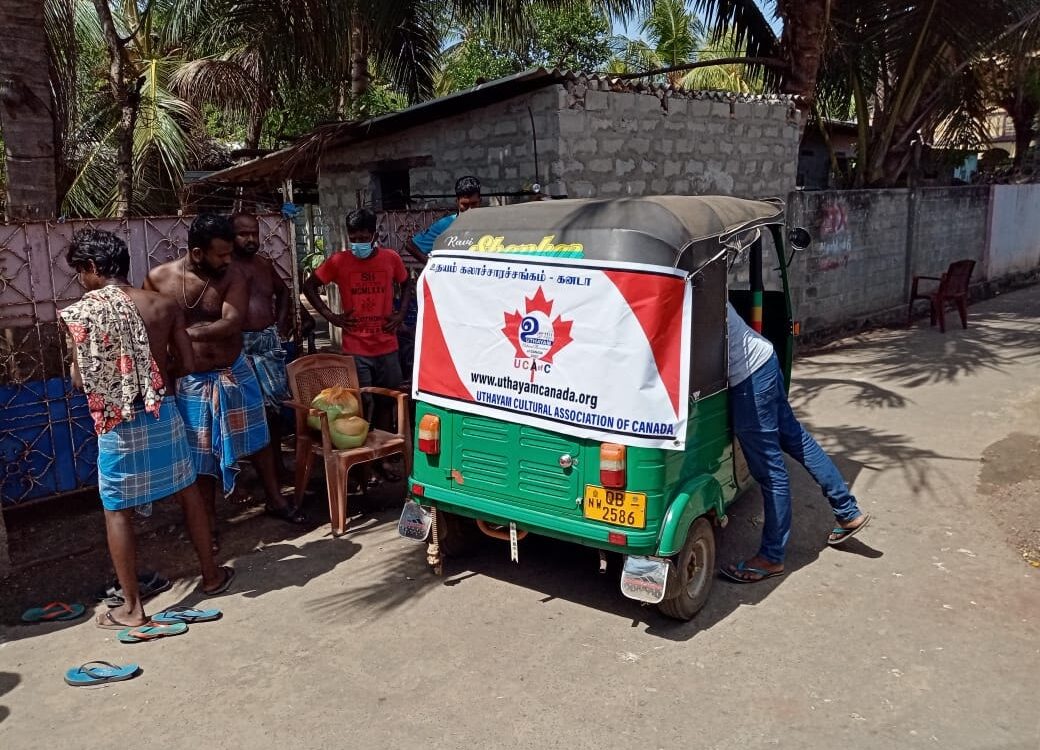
[{"x": 390, "y": 189}]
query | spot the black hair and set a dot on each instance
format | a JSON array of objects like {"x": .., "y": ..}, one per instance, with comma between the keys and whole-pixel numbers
[
  {"x": 209, "y": 227},
  {"x": 241, "y": 215},
  {"x": 361, "y": 219},
  {"x": 465, "y": 186},
  {"x": 106, "y": 251}
]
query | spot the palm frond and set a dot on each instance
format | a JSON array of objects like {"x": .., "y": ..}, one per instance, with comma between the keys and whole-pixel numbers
[
  {"x": 675, "y": 32},
  {"x": 744, "y": 20},
  {"x": 633, "y": 56},
  {"x": 746, "y": 24},
  {"x": 221, "y": 82},
  {"x": 729, "y": 77},
  {"x": 409, "y": 48}
]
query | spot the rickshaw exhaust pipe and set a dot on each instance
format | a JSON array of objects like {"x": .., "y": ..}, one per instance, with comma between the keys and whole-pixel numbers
[
  {"x": 494, "y": 533},
  {"x": 602, "y": 562}
]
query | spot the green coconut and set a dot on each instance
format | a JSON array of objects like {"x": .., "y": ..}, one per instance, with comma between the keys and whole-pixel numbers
[
  {"x": 348, "y": 432},
  {"x": 337, "y": 401}
]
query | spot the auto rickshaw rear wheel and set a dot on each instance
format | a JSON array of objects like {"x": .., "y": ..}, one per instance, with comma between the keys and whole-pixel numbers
[
  {"x": 457, "y": 535},
  {"x": 695, "y": 568}
]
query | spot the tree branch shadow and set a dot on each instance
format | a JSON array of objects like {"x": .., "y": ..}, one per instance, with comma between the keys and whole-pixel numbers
[
  {"x": 867, "y": 395},
  {"x": 1001, "y": 333}
]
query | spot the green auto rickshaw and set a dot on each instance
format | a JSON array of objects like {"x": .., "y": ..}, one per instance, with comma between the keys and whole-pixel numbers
[{"x": 570, "y": 380}]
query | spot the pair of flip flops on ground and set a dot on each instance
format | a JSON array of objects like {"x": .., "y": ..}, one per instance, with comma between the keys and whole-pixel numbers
[
  {"x": 54, "y": 612},
  {"x": 149, "y": 584},
  {"x": 169, "y": 622},
  {"x": 738, "y": 572},
  {"x": 172, "y": 621}
]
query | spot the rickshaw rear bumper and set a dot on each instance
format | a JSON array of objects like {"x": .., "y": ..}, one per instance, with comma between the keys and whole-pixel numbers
[{"x": 578, "y": 530}]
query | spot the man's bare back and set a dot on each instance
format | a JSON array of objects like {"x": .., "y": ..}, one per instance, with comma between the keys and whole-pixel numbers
[
  {"x": 164, "y": 322},
  {"x": 211, "y": 307}
]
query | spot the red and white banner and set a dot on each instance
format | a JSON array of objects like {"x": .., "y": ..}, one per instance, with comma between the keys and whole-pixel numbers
[{"x": 598, "y": 351}]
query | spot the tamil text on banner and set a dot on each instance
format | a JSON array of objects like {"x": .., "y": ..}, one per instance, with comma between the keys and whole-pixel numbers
[{"x": 597, "y": 351}]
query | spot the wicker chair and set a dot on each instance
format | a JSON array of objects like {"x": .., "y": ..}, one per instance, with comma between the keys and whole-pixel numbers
[{"x": 307, "y": 377}]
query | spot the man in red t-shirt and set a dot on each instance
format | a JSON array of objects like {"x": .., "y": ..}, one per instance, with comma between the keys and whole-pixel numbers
[{"x": 365, "y": 274}]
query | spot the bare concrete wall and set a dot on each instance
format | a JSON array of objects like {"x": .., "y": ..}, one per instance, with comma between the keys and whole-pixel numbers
[
  {"x": 857, "y": 262},
  {"x": 618, "y": 144},
  {"x": 1014, "y": 240},
  {"x": 949, "y": 224},
  {"x": 869, "y": 244}
]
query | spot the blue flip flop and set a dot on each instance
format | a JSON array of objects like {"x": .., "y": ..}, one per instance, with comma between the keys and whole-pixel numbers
[
  {"x": 742, "y": 567},
  {"x": 99, "y": 673},
  {"x": 150, "y": 632},
  {"x": 188, "y": 615},
  {"x": 54, "y": 611},
  {"x": 842, "y": 535}
]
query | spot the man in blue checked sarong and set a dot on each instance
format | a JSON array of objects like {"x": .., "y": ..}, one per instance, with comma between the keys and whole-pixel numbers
[
  {"x": 121, "y": 341},
  {"x": 267, "y": 322},
  {"x": 220, "y": 399}
]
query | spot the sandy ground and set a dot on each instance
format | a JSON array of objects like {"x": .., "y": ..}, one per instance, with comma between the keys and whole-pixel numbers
[{"x": 923, "y": 632}]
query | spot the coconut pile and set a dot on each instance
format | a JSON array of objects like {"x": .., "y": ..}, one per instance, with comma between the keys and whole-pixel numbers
[{"x": 346, "y": 426}]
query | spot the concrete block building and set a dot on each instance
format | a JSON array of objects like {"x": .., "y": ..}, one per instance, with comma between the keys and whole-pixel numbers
[{"x": 570, "y": 135}]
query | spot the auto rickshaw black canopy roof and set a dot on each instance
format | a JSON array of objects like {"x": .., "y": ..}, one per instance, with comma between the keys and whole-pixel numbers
[{"x": 672, "y": 230}]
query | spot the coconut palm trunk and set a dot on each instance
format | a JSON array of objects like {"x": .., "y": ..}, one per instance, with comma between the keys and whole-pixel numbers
[
  {"x": 26, "y": 107},
  {"x": 805, "y": 30},
  {"x": 127, "y": 98},
  {"x": 360, "y": 78},
  {"x": 1023, "y": 114}
]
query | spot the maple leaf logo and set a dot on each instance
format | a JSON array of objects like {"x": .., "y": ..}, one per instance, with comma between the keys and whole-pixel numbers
[{"x": 534, "y": 334}]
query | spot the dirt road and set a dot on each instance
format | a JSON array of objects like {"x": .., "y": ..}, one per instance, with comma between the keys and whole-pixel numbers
[{"x": 923, "y": 633}]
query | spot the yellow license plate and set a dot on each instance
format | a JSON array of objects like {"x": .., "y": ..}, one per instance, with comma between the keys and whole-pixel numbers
[{"x": 615, "y": 506}]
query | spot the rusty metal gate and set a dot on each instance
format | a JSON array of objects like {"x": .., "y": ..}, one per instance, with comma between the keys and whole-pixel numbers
[{"x": 47, "y": 441}]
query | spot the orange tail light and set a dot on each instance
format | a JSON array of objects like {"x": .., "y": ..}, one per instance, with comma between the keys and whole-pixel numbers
[
  {"x": 430, "y": 434},
  {"x": 612, "y": 465}
]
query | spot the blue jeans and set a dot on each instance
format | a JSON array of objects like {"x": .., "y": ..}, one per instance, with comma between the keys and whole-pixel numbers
[{"x": 765, "y": 425}]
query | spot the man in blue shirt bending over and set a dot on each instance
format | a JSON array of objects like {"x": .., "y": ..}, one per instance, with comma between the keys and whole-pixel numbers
[
  {"x": 467, "y": 196},
  {"x": 767, "y": 428}
]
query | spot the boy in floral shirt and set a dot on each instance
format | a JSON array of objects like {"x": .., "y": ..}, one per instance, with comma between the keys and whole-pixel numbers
[{"x": 121, "y": 340}]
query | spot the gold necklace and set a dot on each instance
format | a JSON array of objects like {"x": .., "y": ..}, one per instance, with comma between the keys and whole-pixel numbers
[{"x": 184, "y": 292}]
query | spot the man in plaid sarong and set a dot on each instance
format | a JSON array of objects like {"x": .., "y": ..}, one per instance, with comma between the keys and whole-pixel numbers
[
  {"x": 121, "y": 339},
  {"x": 266, "y": 323},
  {"x": 220, "y": 399},
  {"x": 225, "y": 412}
]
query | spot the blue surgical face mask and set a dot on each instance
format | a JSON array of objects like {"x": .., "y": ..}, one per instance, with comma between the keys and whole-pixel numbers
[{"x": 362, "y": 250}]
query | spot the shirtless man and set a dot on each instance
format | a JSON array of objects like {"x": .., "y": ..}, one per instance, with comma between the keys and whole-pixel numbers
[
  {"x": 122, "y": 338},
  {"x": 266, "y": 324},
  {"x": 220, "y": 400}
]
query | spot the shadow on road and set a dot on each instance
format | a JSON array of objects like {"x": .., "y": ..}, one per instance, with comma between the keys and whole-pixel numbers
[
  {"x": 561, "y": 571},
  {"x": 8, "y": 682},
  {"x": 1000, "y": 332}
]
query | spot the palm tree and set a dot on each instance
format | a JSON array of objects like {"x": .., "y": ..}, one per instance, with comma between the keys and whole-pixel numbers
[
  {"x": 1012, "y": 77},
  {"x": 675, "y": 33},
  {"x": 916, "y": 75},
  {"x": 736, "y": 77},
  {"x": 140, "y": 132},
  {"x": 673, "y": 36},
  {"x": 26, "y": 106}
]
